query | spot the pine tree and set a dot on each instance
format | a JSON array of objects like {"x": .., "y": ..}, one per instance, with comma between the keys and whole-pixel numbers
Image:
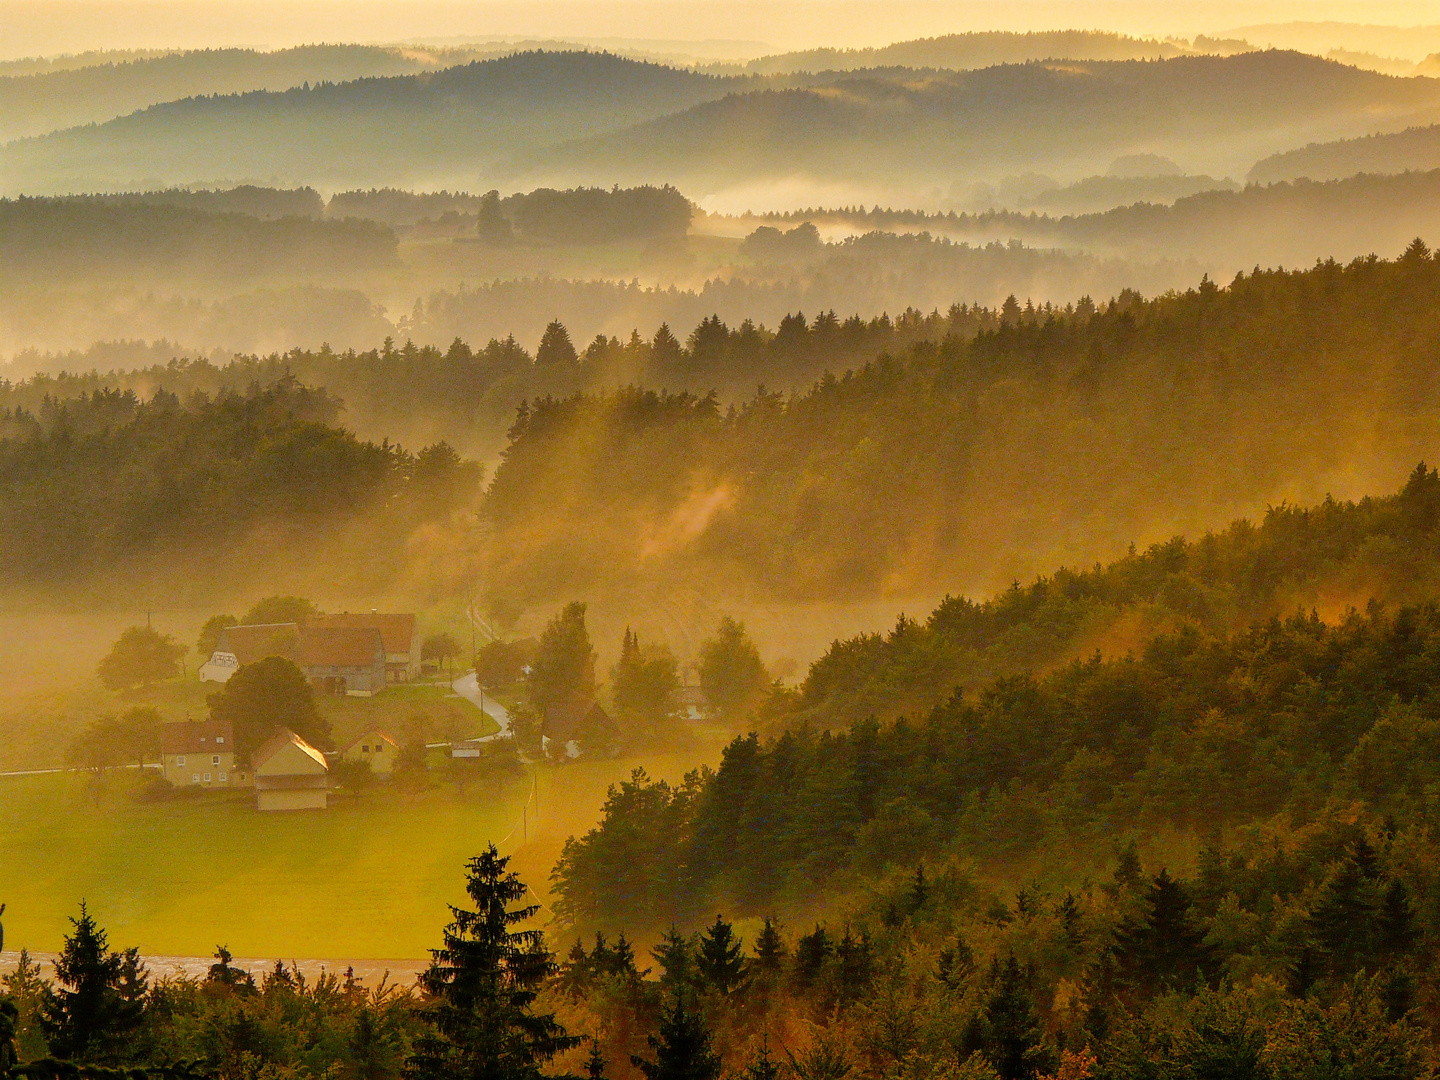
[
  {"x": 101, "y": 995},
  {"x": 595, "y": 1063},
  {"x": 1011, "y": 1024},
  {"x": 919, "y": 889},
  {"x": 761, "y": 1065},
  {"x": 682, "y": 1049},
  {"x": 676, "y": 956},
  {"x": 720, "y": 960},
  {"x": 769, "y": 948},
  {"x": 481, "y": 986},
  {"x": 1163, "y": 950}
]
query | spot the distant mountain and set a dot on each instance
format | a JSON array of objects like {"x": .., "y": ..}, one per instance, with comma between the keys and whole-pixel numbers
[
  {"x": 888, "y": 130},
  {"x": 962, "y": 52},
  {"x": 33, "y": 104},
  {"x": 1415, "y": 149},
  {"x": 424, "y": 130}
]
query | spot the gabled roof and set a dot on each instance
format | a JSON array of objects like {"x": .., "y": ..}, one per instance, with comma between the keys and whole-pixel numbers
[
  {"x": 197, "y": 737},
  {"x": 339, "y": 646},
  {"x": 249, "y": 644},
  {"x": 277, "y": 742},
  {"x": 578, "y": 717},
  {"x": 396, "y": 631},
  {"x": 371, "y": 736}
]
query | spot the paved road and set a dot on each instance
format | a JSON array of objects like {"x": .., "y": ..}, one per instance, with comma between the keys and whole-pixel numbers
[{"x": 468, "y": 687}]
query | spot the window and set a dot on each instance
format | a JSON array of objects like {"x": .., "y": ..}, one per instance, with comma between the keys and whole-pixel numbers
[
  {"x": 180, "y": 759},
  {"x": 379, "y": 747},
  {"x": 207, "y": 777},
  {"x": 221, "y": 778},
  {"x": 219, "y": 738},
  {"x": 215, "y": 759},
  {"x": 365, "y": 749},
  {"x": 195, "y": 778}
]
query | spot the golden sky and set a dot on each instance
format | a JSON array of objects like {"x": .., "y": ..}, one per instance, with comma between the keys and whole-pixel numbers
[{"x": 39, "y": 27}]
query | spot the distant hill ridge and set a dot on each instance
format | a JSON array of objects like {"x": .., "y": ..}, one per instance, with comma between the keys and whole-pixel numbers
[{"x": 1412, "y": 150}]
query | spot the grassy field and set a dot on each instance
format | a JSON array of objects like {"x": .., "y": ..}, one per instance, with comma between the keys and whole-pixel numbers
[{"x": 368, "y": 878}]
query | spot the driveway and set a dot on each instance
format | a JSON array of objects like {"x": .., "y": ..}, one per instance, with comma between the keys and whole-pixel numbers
[{"x": 468, "y": 687}]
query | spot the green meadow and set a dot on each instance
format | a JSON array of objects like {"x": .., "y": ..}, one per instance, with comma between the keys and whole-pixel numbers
[{"x": 367, "y": 879}]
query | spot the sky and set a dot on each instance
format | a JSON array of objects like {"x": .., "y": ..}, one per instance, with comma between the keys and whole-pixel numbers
[{"x": 47, "y": 27}]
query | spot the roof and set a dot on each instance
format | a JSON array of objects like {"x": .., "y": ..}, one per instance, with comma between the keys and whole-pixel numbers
[
  {"x": 277, "y": 742},
  {"x": 249, "y": 644},
  {"x": 339, "y": 646},
  {"x": 579, "y": 717},
  {"x": 396, "y": 631},
  {"x": 197, "y": 737}
]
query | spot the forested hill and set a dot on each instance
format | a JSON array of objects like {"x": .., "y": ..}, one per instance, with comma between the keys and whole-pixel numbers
[
  {"x": 962, "y": 52},
  {"x": 1060, "y": 435},
  {"x": 1219, "y": 114},
  {"x": 428, "y": 130},
  {"x": 36, "y": 102},
  {"x": 1416, "y": 149},
  {"x": 111, "y": 492}
]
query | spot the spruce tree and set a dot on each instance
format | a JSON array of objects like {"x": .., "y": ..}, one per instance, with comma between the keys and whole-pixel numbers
[
  {"x": 720, "y": 960},
  {"x": 769, "y": 948},
  {"x": 676, "y": 956},
  {"x": 595, "y": 1063},
  {"x": 682, "y": 1049},
  {"x": 1163, "y": 950},
  {"x": 100, "y": 998},
  {"x": 481, "y": 986}
]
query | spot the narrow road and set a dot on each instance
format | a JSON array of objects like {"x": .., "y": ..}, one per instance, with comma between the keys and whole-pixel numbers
[{"x": 468, "y": 687}]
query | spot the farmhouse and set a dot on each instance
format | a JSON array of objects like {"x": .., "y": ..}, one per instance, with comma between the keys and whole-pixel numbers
[
  {"x": 290, "y": 774},
  {"x": 200, "y": 753},
  {"x": 342, "y": 659},
  {"x": 376, "y": 748},
  {"x": 336, "y": 659},
  {"x": 398, "y": 633}
]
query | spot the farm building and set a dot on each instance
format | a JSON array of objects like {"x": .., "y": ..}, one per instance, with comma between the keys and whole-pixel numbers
[
  {"x": 200, "y": 753},
  {"x": 290, "y": 774},
  {"x": 398, "y": 633},
  {"x": 375, "y": 747},
  {"x": 336, "y": 659}
]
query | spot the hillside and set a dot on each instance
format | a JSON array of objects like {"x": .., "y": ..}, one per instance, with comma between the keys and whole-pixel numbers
[
  {"x": 884, "y": 130},
  {"x": 1416, "y": 149},
  {"x": 432, "y": 130},
  {"x": 1059, "y": 435}
]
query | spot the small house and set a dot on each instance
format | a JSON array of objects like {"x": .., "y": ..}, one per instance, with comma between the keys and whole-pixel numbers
[
  {"x": 375, "y": 748},
  {"x": 200, "y": 753},
  {"x": 579, "y": 726},
  {"x": 290, "y": 774}
]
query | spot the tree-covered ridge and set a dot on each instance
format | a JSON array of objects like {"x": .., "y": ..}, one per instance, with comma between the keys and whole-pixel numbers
[
  {"x": 85, "y": 238},
  {"x": 1288, "y": 722},
  {"x": 107, "y": 480},
  {"x": 1056, "y": 435}
]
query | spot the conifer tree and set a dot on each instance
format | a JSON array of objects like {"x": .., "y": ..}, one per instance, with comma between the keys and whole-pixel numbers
[
  {"x": 1162, "y": 950},
  {"x": 676, "y": 956},
  {"x": 481, "y": 986},
  {"x": 682, "y": 1049},
  {"x": 595, "y": 1063},
  {"x": 769, "y": 948},
  {"x": 100, "y": 998},
  {"x": 720, "y": 959}
]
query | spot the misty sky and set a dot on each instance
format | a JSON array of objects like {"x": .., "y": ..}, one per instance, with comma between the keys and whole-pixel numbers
[{"x": 36, "y": 27}]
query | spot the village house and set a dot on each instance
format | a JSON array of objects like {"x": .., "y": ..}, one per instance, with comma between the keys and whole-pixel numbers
[
  {"x": 342, "y": 659},
  {"x": 375, "y": 748},
  {"x": 200, "y": 753},
  {"x": 290, "y": 774},
  {"x": 398, "y": 633},
  {"x": 335, "y": 659}
]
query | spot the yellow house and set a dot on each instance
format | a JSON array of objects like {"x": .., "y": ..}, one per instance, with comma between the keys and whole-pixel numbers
[
  {"x": 376, "y": 747},
  {"x": 290, "y": 774},
  {"x": 200, "y": 753}
]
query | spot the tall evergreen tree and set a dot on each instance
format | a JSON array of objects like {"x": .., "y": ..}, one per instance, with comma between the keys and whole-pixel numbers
[
  {"x": 1163, "y": 949},
  {"x": 676, "y": 956},
  {"x": 682, "y": 1049},
  {"x": 481, "y": 986},
  {"x": 564, "y": 665},
  {"x": 769, "y": 949},
  {"x": 720, "y": 959},
  {"x": 100, "y": 998}
]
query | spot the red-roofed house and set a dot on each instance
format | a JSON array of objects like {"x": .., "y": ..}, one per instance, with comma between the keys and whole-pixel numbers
[
  {"x": 200, "y": 753},
  {"x": 398, "y": 633},
  {"x": 290, "y": 774}
]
